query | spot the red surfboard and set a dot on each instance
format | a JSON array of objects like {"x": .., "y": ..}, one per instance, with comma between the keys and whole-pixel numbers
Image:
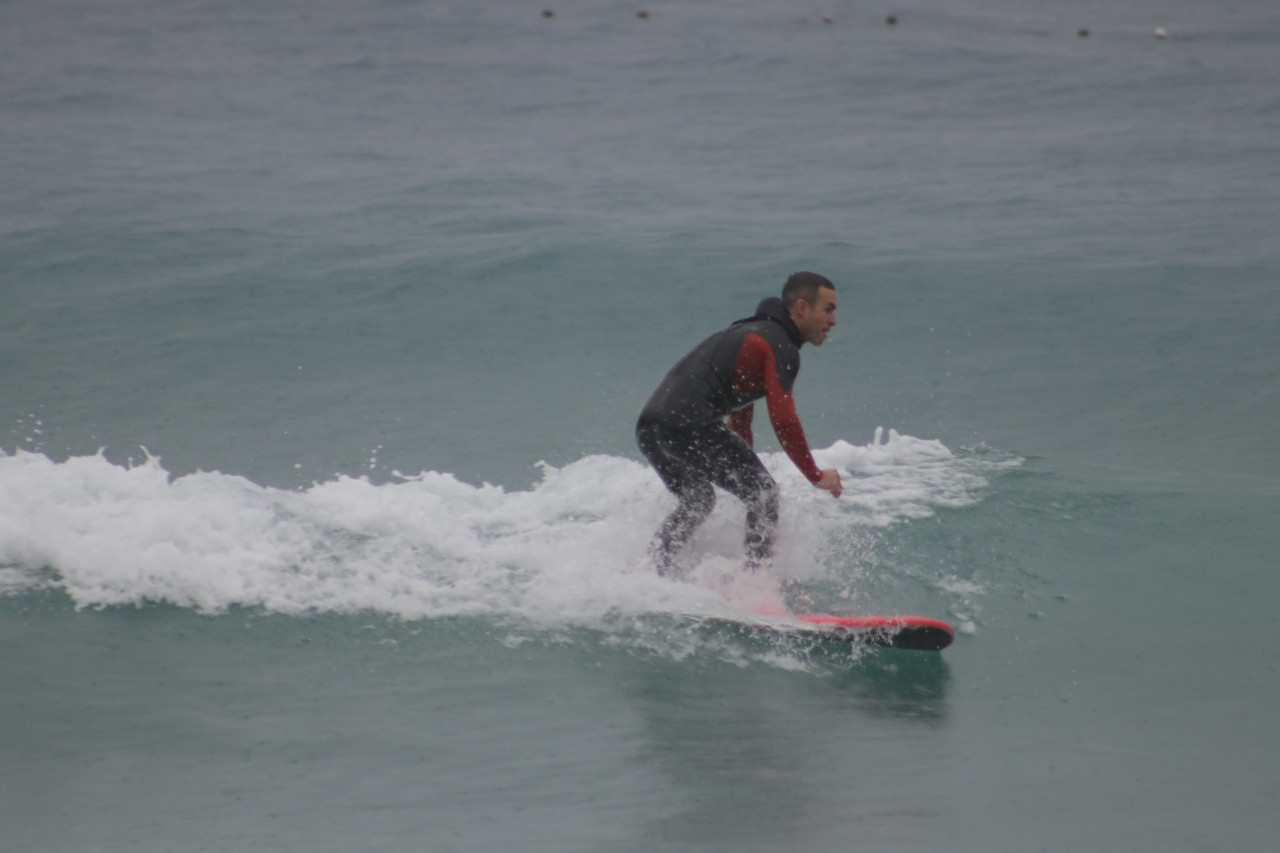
[
  {"x": 917, "y": 633},
  {"x": 901, "y": 632}
]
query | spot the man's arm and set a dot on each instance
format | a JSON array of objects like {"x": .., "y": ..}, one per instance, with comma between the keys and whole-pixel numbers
[{"x": 756, "y": 366}]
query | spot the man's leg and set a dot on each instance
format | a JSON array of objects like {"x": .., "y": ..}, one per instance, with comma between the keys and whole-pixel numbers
[
  {"x": 696, "y": 502},
  {"x": 688, "y": 464},
  {"x": 743, "y": 475},
  {"x": 676, "y": 456}
]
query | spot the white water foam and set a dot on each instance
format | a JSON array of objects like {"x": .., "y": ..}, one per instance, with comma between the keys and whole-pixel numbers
[{"x": 569, "y": 550}]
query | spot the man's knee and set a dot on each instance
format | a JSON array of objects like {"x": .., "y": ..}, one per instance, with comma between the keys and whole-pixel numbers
[
  {"x": 697, "y": 499},
  {"x": 759, "y": 492},
  {"x": 768, "y": 502}
]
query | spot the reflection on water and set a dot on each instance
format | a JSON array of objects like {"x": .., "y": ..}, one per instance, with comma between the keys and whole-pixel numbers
[{"x": 755, "y": 751}]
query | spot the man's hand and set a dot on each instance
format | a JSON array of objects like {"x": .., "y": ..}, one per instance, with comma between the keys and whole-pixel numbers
[{"x": 830, "y": 481}]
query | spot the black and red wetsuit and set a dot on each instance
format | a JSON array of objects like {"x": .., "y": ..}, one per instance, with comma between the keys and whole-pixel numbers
[{"x": 696, "y": 428}]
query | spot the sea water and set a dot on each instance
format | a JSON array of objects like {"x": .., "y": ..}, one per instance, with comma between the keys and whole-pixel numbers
[{"x": 324, "y": 327}]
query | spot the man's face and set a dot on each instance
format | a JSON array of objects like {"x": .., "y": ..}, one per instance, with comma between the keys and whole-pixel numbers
[{"x": 814, "y": 321}]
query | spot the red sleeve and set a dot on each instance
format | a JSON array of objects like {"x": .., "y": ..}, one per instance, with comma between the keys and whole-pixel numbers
[{"x": 754, "y": 370}]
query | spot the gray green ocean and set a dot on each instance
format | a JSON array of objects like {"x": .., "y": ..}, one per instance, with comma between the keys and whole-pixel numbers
[{"x": 324, "y": 325}]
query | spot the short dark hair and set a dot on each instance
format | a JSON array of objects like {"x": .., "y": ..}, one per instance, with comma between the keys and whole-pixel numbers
[{"x": 804, "y": 285}]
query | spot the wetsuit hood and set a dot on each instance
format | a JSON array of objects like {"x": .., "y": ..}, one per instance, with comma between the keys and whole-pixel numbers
[{"x": 771, "y": 308}]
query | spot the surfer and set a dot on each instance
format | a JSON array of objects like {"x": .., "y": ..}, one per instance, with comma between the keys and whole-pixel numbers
[{"x": 696, "y": 428}]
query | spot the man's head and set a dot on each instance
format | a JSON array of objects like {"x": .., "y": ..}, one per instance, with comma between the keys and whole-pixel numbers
[{"x": 811, "y": 301}]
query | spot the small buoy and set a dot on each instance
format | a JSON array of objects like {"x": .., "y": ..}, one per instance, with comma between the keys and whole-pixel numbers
[
  {"x": 891, "y": 20},
  {"x": 643, "y": 14},
  {"x": 1083, "y": 32},
  {"x": 1162, "y": 33},
  {"x": 827, "y": 19},
  {"x": 547, "y": 13}
]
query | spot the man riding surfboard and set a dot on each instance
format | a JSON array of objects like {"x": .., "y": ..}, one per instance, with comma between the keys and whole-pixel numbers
[{"x": 696, "y": 427}]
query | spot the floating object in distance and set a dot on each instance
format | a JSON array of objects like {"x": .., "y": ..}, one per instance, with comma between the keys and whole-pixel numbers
[
  {"x": 547, "y": 13},
  {"x": 891, "y": 20},
  {"x": 1162, "y": 33},
  {"x": 643, "y": 14},
  {"x": 1083, "y": 32}
]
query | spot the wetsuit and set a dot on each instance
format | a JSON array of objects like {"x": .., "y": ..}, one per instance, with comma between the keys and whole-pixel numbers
[{"x": 696, "y": 428}]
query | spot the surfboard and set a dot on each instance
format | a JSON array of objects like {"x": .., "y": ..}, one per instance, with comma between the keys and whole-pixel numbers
[{"x": 917, "y": 633}]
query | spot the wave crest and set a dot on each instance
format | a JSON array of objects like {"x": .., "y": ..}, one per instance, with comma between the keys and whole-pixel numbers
[{"x": 569, "y": 549}]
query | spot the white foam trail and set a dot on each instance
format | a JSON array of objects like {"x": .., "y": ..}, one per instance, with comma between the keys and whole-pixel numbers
[{"x": 569, "y": 549}]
